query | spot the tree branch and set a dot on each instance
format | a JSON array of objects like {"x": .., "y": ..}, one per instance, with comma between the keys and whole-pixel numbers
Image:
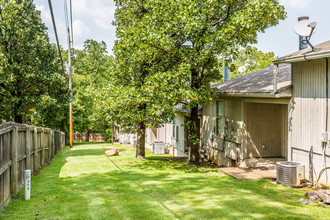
[
  {"x": 163, "y": 50},
  {"x": 224, "y": 19}
]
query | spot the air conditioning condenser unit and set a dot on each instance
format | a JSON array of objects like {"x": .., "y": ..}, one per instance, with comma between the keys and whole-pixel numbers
[
  {"x": 290, "y": 173},
  {"x": 158, "y": 147}
]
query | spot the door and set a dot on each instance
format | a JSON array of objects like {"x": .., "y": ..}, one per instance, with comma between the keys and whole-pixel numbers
[{"x": 266, "y": 126}]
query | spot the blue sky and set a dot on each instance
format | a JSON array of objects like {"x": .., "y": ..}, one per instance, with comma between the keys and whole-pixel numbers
[{"x": 92, "y": 20}]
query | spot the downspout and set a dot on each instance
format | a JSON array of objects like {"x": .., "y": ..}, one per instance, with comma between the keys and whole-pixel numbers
[
  {"x": 327, "y": 114},
  {"x": 275, "y": 78},
  {"x": 326, "y": 92}
]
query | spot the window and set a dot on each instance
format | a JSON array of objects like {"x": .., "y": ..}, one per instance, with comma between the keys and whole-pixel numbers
[{"x": 219, "y": 115}]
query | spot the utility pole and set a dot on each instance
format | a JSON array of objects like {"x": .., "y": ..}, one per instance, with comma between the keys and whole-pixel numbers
[{"x": 70, "y": 87}]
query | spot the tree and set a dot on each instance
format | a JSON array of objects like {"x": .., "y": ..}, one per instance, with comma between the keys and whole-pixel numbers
[
  {"x": 252, "y": 59},
  {"x": 91, "y": 72},
  {"x": 32, "y": 85},
  {"x": 193, "y": 34},
  {"x": 142, "y": 92},
  {"x": 134, "y": 99}
]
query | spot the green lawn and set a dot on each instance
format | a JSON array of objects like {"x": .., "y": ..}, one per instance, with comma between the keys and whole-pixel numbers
[{"x": 83, "y": 184}]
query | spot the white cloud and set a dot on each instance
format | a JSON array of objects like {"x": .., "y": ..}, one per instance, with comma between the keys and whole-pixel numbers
[
  {"x": 80, "y": 29},
  {"x": 47, "y": 19},
  {"x": 296, "y": 3},
  {"x": 45, "y": 14},
  {"x": 100, "y": 11}
]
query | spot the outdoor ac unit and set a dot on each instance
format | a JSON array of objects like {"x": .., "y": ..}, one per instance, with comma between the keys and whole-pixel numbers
[
  {"x": 290, "y": 173},
  {"x": 158, "y": 147}
]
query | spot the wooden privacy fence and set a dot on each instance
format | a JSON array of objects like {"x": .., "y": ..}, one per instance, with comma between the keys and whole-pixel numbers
[
  {"x": 24, "y": 147},
  {"x": 92, "y": 137}
]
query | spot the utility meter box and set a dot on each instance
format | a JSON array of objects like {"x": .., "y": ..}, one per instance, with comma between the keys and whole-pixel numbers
[{"x": 324, "y": 137}]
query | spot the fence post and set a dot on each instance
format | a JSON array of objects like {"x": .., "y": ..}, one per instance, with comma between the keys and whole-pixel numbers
[
  {"x": 53, "y": 143},
  {"x": 36, "y": 163},
  {"x": 49, "y": 145},
  {"x": 14, "y": 161},
  {"x": 42, "y": 146},
  {"x": 60, "y": 140},
  {"x": 28, "y": 149}
]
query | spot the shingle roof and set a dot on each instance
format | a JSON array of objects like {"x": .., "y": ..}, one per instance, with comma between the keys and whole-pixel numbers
[
  {"x": 322, "y": 50},
  {"x": 258, "y": 82}
]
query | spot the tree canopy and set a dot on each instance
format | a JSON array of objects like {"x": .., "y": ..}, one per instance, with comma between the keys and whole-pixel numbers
[
  {"x": 91, "y": 68},
  {"x": 32, "y": 85},
  {"x": 252, "y": 59},
  {"x": 142, "y": 91},
  {"x": 188, "y": 36}
]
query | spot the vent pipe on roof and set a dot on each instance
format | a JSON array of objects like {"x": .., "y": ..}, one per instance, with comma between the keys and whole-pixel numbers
[
  {"x": 301, "y": 39},
  {"x": 226, "y": 74}
]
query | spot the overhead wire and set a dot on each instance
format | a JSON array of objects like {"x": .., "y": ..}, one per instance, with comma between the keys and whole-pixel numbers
[
  {"x": 56, "y": 36},
  {"x": 66, "y": 16},
  {"x": 71, "y": 23}
]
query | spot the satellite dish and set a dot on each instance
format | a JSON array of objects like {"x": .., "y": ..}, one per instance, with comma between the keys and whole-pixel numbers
[
  {"x": 241, "y": 69},
  {"x": 305, "y": 28}
]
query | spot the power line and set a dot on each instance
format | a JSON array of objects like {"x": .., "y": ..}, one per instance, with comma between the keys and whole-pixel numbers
[
  {"x": 56, "y": 36},
  {"x": 66, "y": 16},
  {"x": 71, "y": 23}
]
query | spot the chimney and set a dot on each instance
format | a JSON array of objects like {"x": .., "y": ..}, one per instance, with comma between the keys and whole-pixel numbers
[
  {"x": 226, "y": 74},
  {"x": 301, "y": 39}
]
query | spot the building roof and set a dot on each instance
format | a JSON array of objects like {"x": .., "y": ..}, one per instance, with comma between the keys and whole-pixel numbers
[
  {"x": 258, "y": 82},
  {"x": 322, "y": 50}
]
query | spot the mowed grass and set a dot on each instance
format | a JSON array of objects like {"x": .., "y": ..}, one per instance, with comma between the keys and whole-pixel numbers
[{"x": 83, "y": 184}]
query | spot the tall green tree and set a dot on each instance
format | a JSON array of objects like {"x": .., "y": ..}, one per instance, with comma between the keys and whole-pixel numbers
[
  {"x": 32, "y": 85},
  {"x": 91, "y": 73},
  {"x": 142, "y": 92},
  {"x": 195, "y": 33}
]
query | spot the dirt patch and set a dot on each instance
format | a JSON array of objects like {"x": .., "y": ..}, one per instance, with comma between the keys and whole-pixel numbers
[{"x": 249, "y": 173}]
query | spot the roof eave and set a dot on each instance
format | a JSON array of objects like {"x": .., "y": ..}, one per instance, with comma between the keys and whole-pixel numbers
[
  {"x": 305, "y": 57},
  {"x": 256, "y": 95}
]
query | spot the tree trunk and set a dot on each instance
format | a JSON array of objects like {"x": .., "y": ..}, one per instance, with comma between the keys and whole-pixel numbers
[
  {"x": 87, "y": 136},
  {"x": 140, "y": 146},
  {"x": 18, "y": 118},
  {"x": 113, "y": 134},
  {"x": 193, "y": 135}
]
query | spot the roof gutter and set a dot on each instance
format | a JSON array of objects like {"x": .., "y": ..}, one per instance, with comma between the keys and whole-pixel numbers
[
  {"x": 304, "y": 57},
  {"x": 254, "y": 95}
]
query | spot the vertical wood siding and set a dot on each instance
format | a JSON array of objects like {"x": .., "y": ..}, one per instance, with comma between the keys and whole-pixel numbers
[
  {"x": 308, "y": 114},
  {"x": 308, "y": 118}
]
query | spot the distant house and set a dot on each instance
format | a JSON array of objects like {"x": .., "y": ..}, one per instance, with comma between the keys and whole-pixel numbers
[
  {"x": 174, "y": 135},
  {"x": 248, "y": 118}
]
